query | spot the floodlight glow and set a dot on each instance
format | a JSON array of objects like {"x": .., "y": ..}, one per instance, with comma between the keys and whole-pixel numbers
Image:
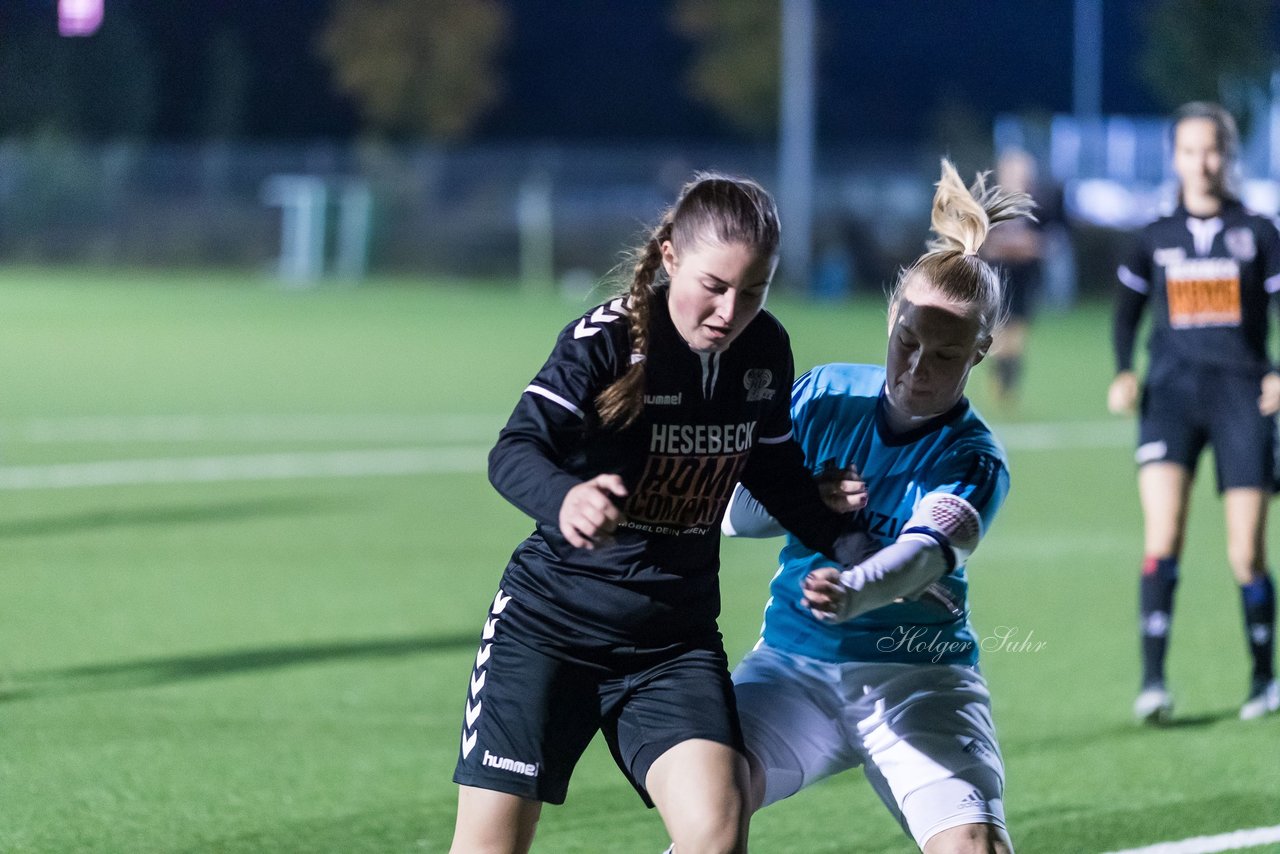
[{"x": 79, "y": 17}]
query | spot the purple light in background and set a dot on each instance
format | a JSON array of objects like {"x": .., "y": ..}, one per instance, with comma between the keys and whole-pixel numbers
[{"x": 79, "y": 17}]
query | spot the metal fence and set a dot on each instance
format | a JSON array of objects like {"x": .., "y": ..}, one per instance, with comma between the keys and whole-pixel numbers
[
  {"x": 1117, "y": 170},
  {"x": 324, "y": 209}
]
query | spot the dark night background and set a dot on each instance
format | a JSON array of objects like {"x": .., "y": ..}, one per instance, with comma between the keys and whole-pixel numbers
[
  {"x": 176, "y": 109},
  {"x": 589, "y": 71}
]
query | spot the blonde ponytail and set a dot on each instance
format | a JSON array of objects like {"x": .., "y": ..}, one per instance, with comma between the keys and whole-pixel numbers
[{"x": 962, "y": 217}]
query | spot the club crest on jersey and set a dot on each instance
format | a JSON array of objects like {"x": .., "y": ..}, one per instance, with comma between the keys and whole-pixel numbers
[
  {"x": 757, "y": 381},
  {"x": 1240, "y": 243}
]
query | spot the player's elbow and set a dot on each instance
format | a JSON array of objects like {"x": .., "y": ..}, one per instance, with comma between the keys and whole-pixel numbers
[
  {"x": 498, "y": 456},
  {"x": 506, "y": 464}
]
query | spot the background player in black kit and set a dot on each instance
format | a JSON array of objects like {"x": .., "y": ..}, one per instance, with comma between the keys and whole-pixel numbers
[
  {"x": 1209, "y": 272},
  {"x": 625, "y": 449},
  {"x": 1018, "y": 248}
]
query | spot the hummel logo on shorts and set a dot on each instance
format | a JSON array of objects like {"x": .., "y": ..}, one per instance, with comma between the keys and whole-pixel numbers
[{"x": 502, "y": 763}]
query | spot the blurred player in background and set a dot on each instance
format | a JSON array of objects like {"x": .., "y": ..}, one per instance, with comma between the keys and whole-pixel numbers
[
  {"x": 1209, "y": 272},
  {"x": 853, "y": 669},
  {"x": 1018, "y": 251},
  {"x": 625, "y": 449}
]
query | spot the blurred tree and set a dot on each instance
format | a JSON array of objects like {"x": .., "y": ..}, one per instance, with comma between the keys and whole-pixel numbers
[
  {"x": 417, "y": 66},
  {"x": 1202, "y": 50},
  {"x": 101, "y": 87},
  {"x": 736, "y": 70}
]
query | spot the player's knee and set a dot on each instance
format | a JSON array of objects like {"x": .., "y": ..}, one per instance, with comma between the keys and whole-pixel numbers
[
  {"x": 719, "y": 830},
  {"x": 491, "y": 841},
  {"x": 755, "y": 784},
  {"x": 494, "y": 823},
  {"x": 969, "y": 839}
]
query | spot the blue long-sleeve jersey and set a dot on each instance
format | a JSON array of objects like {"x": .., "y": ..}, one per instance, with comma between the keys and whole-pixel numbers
[{"x": 838, "y": 414}]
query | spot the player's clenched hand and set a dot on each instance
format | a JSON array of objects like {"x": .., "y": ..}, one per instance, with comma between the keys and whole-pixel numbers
[
  {"x": 1122, "y": 396},
  {"x": 588, "y": 516},
  {"x": 843, "y": 490},
  {"x": 824, "y": 595},
  {"x": 1269, "y": 400}
]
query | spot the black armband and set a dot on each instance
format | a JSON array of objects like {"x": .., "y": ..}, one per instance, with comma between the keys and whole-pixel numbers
[{"x": 948, "y": 553}]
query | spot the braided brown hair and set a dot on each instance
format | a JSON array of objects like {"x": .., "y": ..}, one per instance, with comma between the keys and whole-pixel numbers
[{"x": 711, "y": 208}]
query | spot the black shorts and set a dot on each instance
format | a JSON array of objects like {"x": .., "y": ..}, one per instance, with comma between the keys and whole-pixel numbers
[
  {"x": 1184, "y": 410},
  {"x": 1021, "y": 289},
  {"x": 533, "y": 706}
]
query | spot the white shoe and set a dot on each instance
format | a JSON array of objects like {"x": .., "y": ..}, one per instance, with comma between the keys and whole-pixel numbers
[
  {"x": 1153, "y": 706},
  {"x": 1263, "y": 701}
]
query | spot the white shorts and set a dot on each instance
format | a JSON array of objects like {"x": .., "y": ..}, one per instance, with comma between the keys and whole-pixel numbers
[{"x": 923, "y": 734}]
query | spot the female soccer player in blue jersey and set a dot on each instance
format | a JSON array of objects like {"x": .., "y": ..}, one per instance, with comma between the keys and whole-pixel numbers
[
  {"x": 625, "y": 449},
  {"x": 1209, "y": 272},
  {"x": 862, "y": 667}
]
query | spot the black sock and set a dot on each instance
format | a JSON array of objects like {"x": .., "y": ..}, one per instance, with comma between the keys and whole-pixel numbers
[
  {"x": 1259, "y": 597},
  {"x": 1159, "y": 578},
  {"x": 1008, "y": 374}
]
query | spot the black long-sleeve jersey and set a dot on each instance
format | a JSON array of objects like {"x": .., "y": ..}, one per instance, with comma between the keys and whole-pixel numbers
[
  {"x": 1209, "y": 281},
  {"x": 709, "y": 421}
]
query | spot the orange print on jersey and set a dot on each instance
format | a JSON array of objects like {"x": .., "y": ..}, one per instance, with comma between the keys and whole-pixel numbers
[
  {"x": 685, "y": 491},
  {"x": 1203, "y": 292}
]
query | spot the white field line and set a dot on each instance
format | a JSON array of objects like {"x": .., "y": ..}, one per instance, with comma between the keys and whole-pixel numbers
[
  {"x": 1061, "y": 435},
  {"x": 252, "y": 428},
  {"x": 292, "y": 466},
  {"x": 1237, "y": 840},
  {"x": 434, "y": 428},
  {"x": 446, "y": 459}
]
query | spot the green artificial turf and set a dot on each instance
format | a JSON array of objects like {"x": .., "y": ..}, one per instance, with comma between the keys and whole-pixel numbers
[{"x": 280, "y": 665}]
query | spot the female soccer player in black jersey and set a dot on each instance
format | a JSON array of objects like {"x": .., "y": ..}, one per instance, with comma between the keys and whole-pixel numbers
[
  {"x": 625, "y": 449},
  {"x": 1208, "y": 272},
  {"x": 1019, "y": 249}
]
